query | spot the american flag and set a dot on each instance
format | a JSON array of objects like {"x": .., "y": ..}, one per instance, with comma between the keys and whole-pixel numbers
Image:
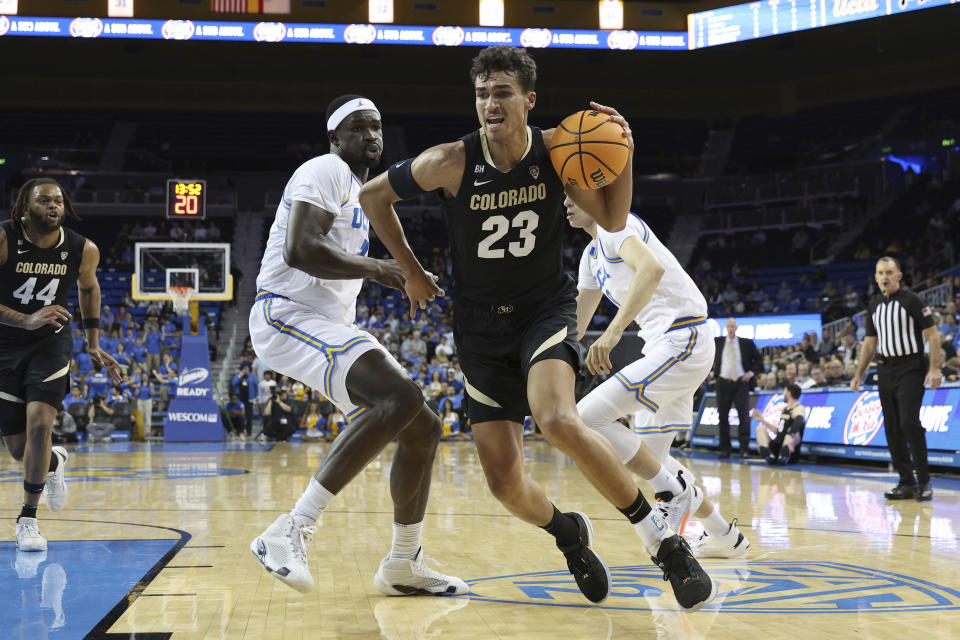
[{"x": 230, "y": 6}]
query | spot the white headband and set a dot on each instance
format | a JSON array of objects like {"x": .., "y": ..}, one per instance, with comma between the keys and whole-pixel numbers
[{"x": 344, "y": 110}]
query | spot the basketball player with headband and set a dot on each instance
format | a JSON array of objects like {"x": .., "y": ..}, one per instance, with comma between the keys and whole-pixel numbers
[
  {"x": 515, "y": 311},
  {"x": 302, "y": 326}
]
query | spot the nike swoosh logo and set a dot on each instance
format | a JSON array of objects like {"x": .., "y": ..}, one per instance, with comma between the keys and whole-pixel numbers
[
  {"x": 60, "y": 329},
  {"x": 23, "y": 252},
  {"x": 478, "y": 183}
]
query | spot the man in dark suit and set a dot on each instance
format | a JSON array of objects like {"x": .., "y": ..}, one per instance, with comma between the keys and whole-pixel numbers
[{"x": 735, "y": 364}]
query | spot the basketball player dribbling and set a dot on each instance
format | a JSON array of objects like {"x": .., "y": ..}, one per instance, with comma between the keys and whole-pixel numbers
[
  {"x": 40, "y": 262},
  {"x": 639, "y": 275},
  {"x": 302, "y": 326},
  {"x": 515, "y": 312}
]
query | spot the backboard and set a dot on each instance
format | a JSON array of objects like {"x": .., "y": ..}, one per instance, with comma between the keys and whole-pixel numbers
[{"x": 203, "y": 266}]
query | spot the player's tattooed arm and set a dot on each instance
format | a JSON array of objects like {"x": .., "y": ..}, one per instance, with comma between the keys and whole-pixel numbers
[
  {"x": 88, "y": 290},
  {"x": 307, "y": 248}
]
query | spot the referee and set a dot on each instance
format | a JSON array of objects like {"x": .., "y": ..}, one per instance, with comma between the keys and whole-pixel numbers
[{"x": 896, "y": 325}]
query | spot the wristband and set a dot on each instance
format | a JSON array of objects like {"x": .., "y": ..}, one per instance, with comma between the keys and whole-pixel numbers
[{"x": 91, "y": 323}]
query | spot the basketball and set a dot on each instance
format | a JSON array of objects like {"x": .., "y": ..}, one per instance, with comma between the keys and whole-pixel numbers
[{"x": 588, "y": 151}]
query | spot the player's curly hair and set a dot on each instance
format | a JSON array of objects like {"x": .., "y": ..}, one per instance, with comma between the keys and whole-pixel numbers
[
  {"x": 19, "y": 209},
  {"x": 511, "y": 60}
]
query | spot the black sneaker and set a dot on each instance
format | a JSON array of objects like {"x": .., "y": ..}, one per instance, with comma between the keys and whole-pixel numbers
[
  {"x": 924, "y": 492},
  {"x": 692, "y": 587},
  {"x": 590, "y": 571},
  {"x": 902, "y": 492}
]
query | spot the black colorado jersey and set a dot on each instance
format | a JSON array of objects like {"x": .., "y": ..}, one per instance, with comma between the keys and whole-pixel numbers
[
  {"x": 33, "y": 278},
  {"x": 506, "y": 229}
]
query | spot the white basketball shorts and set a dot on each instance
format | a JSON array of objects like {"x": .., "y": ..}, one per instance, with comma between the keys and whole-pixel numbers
[{"x": 293, "y": 340}]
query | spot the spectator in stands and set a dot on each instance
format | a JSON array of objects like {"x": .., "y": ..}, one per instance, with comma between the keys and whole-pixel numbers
[
  {"x": 851, "y": 300},
  {"x": 97, "y": 382},
  {"x": 117, "y": 395},
  {"x": 313, "y": 423},
  {"x": 836, "y": 376},
  {"x": 278, "y": 422},
  {"x": 237, "y": 412},
  {"x": 818, "y": 379},
  {"x": 803, "y": 373},
  {"x": 120, "y": 354},
  {"x": 106, "y": 319},
  {"x": 64, "y": 428},
  {"x": 99, "y": 414},
  {"x": 825, "y": 346},
  {"x": 729, "y": 297},
  {"x": 170, "y": 337},
  {"x": 166, "y": 374},
  {"x": 767, "y": 381},
  {"x": 266, "y": 387},
  {"x": 144, "y": 397},
  {"x": 785, "y": 447},
  {"x": 766, "y": 304},
  {"x": 244, "y": 384},
  {"x": 784, "y": 294},
  {"x": 152, "y": 339}
]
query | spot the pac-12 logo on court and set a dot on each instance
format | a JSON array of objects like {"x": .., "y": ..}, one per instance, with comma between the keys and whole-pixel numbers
[
  {"x": 535, "y": 38},
  {"x": 448, "y": 36},
  {"x": 4, "y": 25},
  {"x": 864, "y": 420},
  {"x": 768, "y": 586},
  {"x": 269, "y": 32},
  {"x": 178, "y": 29},
  {"x": 360, "y": 33},
  {"x": 625, "y": 40},
  {"x": 86, "y": 27}
]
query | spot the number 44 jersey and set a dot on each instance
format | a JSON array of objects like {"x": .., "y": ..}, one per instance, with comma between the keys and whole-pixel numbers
[
  {"x": 33, "y": 278},
  {"x": 506, "y": 229}
]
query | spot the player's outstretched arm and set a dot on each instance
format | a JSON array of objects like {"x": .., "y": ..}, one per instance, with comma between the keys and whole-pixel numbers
[
  {"x": 88, "y": 290},
  {"x": 307, "y": 248},
  {"x": 647, "y": 272},
  {"x": 439, "y": 167}
]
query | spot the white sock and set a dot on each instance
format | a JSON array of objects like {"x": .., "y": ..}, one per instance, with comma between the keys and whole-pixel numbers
[
  {"x": 652, "y": 530},
  {"x": 665, "y": 481},
  {"x": 406, "y": 540},
  {"x": 715, "y": 524},
  {"x": 313, "y": 501}
]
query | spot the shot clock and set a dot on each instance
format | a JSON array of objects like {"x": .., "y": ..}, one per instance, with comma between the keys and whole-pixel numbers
[{"x": 186, "y": 199}]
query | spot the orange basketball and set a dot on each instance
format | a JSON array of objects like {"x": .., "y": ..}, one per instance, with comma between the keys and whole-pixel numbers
[{"x": 588, "y": 151}]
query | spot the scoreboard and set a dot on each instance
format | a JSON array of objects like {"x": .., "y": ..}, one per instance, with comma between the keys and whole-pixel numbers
[
  {"x": 186, "y": 199},
  {"x": 772, "y": 17}
]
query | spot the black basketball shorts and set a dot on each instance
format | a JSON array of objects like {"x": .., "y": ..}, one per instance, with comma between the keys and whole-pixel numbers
[
  {"x": 37, "y": 371},
  {"x": 498, "y": 344}
]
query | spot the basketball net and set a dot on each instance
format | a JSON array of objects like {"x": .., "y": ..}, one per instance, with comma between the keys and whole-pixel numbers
[{"x": 180, "y": 297}]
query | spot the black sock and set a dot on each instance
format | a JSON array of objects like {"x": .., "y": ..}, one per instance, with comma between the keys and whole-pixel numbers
[
  {"x": 27, "y": 512},
  {"x": 563, "y": 528},
  {"x": 638, "y": 510},
  {"x": 54, "y": 461}
]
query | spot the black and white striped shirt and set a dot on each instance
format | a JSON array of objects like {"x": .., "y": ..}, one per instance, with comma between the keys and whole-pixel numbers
[{"x": 898, "y": 321}]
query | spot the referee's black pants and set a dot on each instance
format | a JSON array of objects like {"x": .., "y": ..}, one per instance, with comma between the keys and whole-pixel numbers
[
  {"x": 734, "y": 393},
  {"x": 901, "y": 392}
]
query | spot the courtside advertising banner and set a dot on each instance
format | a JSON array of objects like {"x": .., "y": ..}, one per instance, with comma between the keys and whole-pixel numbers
[
  {"x": 193, "y": 415},
  {"x": 771, "y": 331},
  {"x": 848, "y": 423}
]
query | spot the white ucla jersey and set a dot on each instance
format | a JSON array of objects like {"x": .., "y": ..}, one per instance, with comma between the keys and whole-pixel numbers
[
  {"x": 676, "y": 302},
  {"x": 326, "y": 182}
]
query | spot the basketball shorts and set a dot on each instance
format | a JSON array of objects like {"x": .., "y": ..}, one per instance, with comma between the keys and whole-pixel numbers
[
  {"x": 658, "y": 389},
  {"x": 37, "y": 371},
  {"x": 497, "y": 345},
  {"x": 293, "y": 340}
]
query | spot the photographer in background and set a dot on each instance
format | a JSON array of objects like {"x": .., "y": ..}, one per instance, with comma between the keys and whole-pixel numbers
[
  {"x": 278, "y": 422},
  {"x": 785, "y": 447},
  {"x": 99, "y": 427},
  {"x": 64, "y": 428}
]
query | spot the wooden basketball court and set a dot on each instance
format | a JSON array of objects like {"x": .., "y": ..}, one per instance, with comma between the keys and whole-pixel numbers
[{"x": 153, "y": 544}]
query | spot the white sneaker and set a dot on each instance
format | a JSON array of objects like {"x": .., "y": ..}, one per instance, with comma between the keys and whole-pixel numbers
[
  {"x": 282, "y": 550},
  {"x": 732, "y": 544},
  {"x": 400, "y": 577},
  {"x": 55, "y": 490},
  {"x": 28, "y": 536},
  {"x": 676, "y": 509}
]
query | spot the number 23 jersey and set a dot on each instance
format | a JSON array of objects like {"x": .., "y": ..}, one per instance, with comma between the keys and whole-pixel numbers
[
  {"x": 33, "y": 278},
  {"x": 506, "y": 229}
]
